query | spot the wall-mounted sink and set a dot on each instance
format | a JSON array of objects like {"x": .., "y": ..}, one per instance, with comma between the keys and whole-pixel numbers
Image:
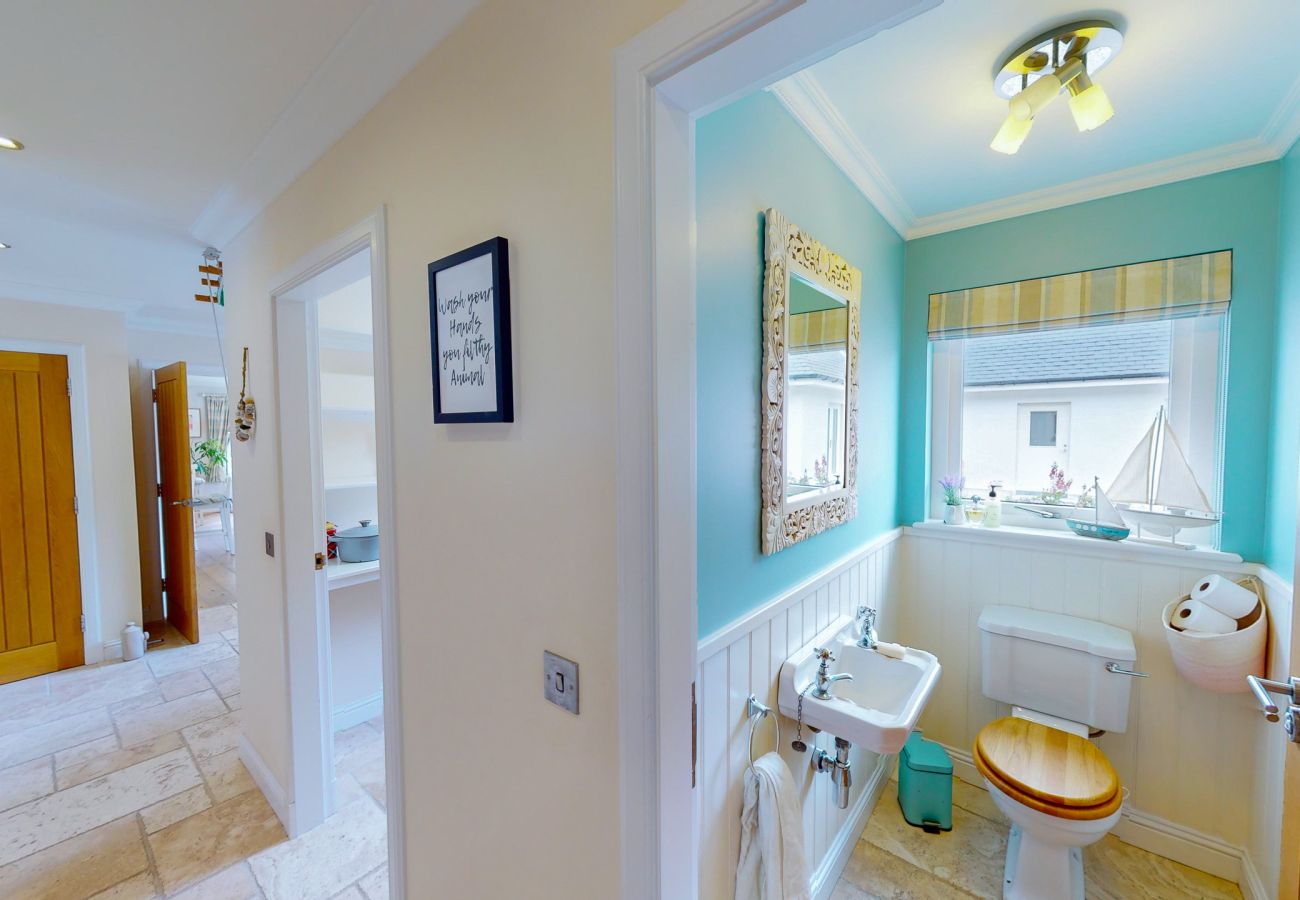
[{"x": 877, "y": 709}]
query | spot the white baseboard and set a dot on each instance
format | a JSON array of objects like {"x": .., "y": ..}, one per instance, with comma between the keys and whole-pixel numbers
[
  {"x": 269, "y": 785},
  {"x": 837, "y": 856},
  {"x": 112, "y": 650},
  {"x": 1252, "y": 886},
  {"x": 1161, "y": 837},
  {"x": 355, "y": 713}
]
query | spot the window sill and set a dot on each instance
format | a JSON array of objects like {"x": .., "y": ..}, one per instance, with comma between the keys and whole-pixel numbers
[{"x": 1068, "y": 542}]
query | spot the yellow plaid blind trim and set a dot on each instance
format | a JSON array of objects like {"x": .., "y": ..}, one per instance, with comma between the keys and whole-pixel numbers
[{"x": 1199, "y": 285}]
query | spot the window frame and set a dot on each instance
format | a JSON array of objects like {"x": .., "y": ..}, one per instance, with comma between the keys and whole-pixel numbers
[{"x": 1197, "y": 409}]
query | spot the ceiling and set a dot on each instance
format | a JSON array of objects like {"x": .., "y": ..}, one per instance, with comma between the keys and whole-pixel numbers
[
  {"x": 154, "y": 129},
  {"x": 909, "y": 113}
]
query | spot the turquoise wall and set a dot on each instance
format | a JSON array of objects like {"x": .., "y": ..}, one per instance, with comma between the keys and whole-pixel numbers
[
  {"x": 751, "y": 156},
  {"x": 1284, "y": 449},
  {"x": 1235, "y": 210}
]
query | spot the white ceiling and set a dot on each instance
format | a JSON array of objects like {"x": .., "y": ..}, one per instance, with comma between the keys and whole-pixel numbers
[
  {"x": 1198, "y": 87},
  {"x": 154, "y": 129}
]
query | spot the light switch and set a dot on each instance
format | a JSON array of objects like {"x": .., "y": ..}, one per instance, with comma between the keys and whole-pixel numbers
[{"x": 561, "y": 685}]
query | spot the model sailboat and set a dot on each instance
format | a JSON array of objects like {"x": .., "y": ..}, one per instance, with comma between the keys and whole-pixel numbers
[
  {"x": 1106, "y": 522},
  {"x": 1156, "y": 488}
]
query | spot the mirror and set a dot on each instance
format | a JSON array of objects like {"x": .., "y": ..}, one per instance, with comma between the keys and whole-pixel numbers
[
  {"x": 810, "y": 357},
  {"x": 816, "y": 380}
]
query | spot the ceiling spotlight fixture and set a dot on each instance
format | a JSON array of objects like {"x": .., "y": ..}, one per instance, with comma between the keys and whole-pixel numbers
[
  {"x": 8, "y": 143},
  {"x": 3, "y": 246},
  {"x": 1064, "y": 58}
]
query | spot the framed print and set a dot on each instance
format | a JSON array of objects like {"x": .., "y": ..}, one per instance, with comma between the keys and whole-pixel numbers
[
  {"x": 196, "y": 425},
  {"x": 469, "y": 328}
]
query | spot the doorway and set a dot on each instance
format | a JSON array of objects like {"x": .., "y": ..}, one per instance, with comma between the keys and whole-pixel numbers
[
  {"x": 40, "y": 596},
  {"x": 336, "y": 457}
]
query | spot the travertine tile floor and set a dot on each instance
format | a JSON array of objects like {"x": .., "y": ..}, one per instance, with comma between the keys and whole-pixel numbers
[
  {"x": 123, "y": 781},
  {"x": 895, "y": 860}
]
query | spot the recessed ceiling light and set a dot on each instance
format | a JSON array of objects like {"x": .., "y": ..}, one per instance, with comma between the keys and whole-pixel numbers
[
  {"x": 3, "y": 246},
  {"x": 8, "y": 143}
]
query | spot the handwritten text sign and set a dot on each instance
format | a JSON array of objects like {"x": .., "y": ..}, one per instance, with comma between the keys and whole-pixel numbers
[{"x": 469, "y": 300}]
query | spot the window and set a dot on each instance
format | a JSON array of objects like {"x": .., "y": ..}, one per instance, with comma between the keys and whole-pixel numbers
[
  {"x": 1042, "y": 428},
  {"x": 1046, "y": 414}
]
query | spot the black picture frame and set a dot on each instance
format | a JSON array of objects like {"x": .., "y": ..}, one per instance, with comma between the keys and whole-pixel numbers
[{"x": 499, "y": 250}]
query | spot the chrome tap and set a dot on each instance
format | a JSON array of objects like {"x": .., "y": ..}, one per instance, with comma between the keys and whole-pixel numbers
[
  {"x": 824, "y": 678},
  {"x": 867, "y": 627}
]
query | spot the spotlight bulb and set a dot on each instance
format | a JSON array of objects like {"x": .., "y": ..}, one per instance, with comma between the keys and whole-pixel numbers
[
  {"x": 1012, "y": 134},
  {"x": 1090, "y": 107}
]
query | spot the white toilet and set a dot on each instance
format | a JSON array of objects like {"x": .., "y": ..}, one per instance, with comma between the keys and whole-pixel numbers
[{"x": 1057, "y": 788}]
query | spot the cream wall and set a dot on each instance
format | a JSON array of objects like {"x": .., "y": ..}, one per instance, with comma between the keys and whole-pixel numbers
[
  {"x": 506, "y": 532},
  {"x": 114, "y": 559}
]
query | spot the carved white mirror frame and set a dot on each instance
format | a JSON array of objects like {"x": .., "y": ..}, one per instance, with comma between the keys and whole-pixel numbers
[{"x": 790, "y": 250}]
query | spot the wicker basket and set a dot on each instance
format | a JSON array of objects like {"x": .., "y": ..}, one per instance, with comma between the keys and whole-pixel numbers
[{"x": 1221, "y": 662}]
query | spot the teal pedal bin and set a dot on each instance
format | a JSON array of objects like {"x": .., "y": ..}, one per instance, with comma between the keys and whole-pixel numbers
[{"x": 925, "y": 784}]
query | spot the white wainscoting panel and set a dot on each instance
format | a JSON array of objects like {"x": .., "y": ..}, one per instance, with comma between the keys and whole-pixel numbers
[
  {"x": 744, "y": 658},
  {"x": 1208, "y": 763}
]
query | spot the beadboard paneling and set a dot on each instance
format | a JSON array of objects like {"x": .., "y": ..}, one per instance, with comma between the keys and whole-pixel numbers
[
  {"x": 746, "y": 658},
  {"x": 1207, "y": 762}
]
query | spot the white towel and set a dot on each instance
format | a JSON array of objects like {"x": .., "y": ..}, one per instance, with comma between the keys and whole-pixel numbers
[{"x": 772, "y": 865}]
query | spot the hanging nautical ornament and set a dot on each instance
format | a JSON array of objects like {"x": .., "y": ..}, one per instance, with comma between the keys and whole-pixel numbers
[{"x": 246, "y": 412}]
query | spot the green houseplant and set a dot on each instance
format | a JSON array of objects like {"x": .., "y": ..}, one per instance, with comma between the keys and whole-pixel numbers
[{"x": 209, "y": 459}]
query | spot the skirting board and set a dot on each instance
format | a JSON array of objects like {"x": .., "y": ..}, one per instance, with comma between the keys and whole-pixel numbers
[
  {"x": 355, "y": 713},
  {"x": 112, "y": 650},
  {"x": 828, "y": 873},
  {"x": 1161, "y": 837},
  {"x": 270, "y": 787}
]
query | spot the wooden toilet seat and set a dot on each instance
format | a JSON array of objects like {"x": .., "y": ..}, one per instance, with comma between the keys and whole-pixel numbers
[{"x": 1049, "y": 770}]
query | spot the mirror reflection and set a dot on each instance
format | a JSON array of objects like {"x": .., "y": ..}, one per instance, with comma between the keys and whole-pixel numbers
[{"x": 816, "y": 390}]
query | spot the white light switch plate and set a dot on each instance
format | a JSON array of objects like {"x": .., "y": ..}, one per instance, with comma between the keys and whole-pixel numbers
[{"x": 561, "y": 686}]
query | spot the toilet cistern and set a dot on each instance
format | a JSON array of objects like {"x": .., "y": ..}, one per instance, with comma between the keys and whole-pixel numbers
[
  {"x": 866, "y": 619},
  {"x": 824, "y": 678}
]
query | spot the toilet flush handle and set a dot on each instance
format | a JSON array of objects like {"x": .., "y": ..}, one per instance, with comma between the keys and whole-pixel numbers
[{"x": 1120, "y": 670}]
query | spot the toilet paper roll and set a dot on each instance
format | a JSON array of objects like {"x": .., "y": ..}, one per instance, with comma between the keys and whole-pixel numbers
[
  {"x": 1225, "y": 596},
  {"x": 1193, "y": 615}
]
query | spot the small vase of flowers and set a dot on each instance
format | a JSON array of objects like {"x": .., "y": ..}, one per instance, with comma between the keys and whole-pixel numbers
[{"x": 954, "y": 512}]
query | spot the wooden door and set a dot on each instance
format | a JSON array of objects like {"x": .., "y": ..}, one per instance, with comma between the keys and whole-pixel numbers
[
  {"x": 40, "y": 570},
  {"x": 176, "y": 481}
]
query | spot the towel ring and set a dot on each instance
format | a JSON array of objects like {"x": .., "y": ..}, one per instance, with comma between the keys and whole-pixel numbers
[{"x": 756, "y": 711}]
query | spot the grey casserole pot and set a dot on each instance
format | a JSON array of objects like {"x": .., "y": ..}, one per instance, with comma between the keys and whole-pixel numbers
[{"x": 359, "y": 544}]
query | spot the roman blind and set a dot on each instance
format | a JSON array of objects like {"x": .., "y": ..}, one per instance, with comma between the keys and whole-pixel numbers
[{"x": 1199, "y": 285}]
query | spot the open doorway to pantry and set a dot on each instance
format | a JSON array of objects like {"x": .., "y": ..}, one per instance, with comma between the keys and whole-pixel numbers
[{"x": 336, "y": 459}]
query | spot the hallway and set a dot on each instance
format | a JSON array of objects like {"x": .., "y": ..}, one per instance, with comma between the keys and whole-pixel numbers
[{"x": 123, "y": 780}]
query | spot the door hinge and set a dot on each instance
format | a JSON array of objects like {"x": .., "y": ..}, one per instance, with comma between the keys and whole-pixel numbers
[
  {"x": 160, "y": 490},
  {"x": 83, "y": 623},
  {"x": 320, "y": 561},
  {"x": 694, "y": 740},
  {"x": 164, "y": 585},
  {"x": 69, "y": 385},
  {"x": 155, "y": 395},
  {"x": 76, "y": 505}
]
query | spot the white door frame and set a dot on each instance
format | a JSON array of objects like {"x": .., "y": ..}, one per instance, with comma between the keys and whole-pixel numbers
[
  {"x": 700, "y": 57},
  {"x": 311, "y": 779}
]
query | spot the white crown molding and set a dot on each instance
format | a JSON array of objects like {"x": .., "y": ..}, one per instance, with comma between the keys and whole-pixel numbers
[
  {"x": 1166, "y": 171},
  {"x": 802, "y": 95},
  {"x": 1283, "y": 129},
  {"x": 387, "y": 40},
  {"x": 26, "y": 292}
]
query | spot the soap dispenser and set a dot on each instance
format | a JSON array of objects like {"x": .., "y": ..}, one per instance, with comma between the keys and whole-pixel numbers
[{"x": 993, "y": 507}]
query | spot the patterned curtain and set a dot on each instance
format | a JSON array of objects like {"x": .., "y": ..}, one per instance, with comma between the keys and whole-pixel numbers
[
  {"x": 216, "y": 415},
  {"x": 1199, "y": 285}
]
